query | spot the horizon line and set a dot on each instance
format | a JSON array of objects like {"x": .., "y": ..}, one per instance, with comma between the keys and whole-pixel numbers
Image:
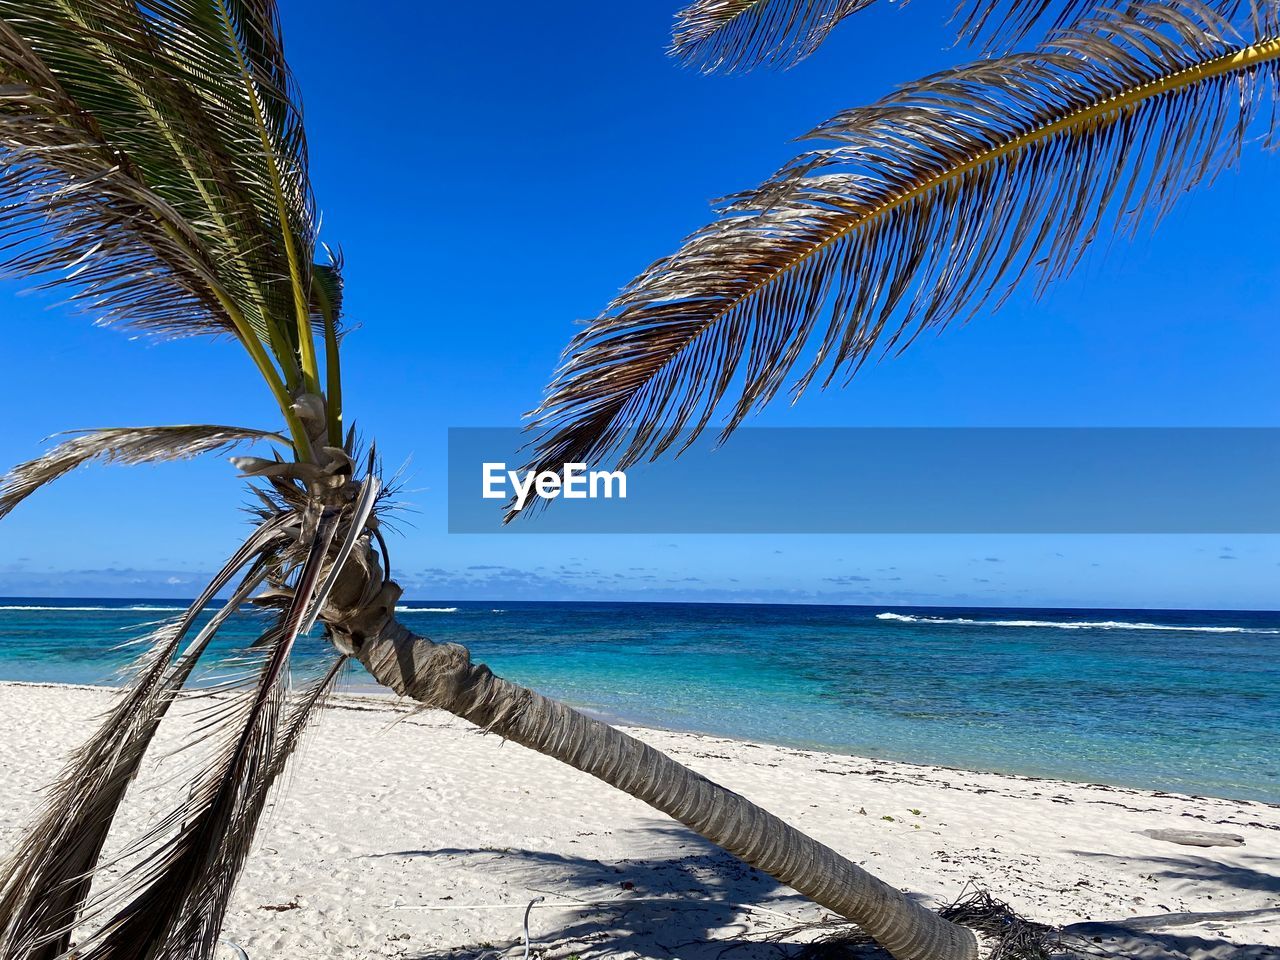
[{"x": 695, "y": 603}]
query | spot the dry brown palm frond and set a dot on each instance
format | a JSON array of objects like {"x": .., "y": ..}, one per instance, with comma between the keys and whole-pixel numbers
[
  {"x": 47, "y": 877},
  {"x": 997, "y": 26},
  {"x": 923, "y": 209},
  {"x": 301, "y": 715},
  {"x": 1012, "y": 937},
  {"x": 729, "y": 36},
  {"x": 170, "y": 904},
  {"x": 170, "y": 901},
  {"x": 733, "y": 35},
  {"x": 123, "y": 445}
]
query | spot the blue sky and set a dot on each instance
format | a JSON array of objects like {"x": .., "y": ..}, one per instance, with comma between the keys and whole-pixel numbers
[{"x": 491, "y": 177}]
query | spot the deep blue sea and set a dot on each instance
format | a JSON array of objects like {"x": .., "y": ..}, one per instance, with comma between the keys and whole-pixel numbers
[{"x": 1185, "y": 701}]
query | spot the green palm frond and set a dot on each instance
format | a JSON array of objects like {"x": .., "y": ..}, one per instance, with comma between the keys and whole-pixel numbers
[
  {"x": 925, "y": 208},
  {"x": 154, "y": 160},
  {"x": 124, "y": 445},
  {"x": 732, "y": 35}
]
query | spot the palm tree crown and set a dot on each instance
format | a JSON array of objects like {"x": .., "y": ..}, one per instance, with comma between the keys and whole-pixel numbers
[{"x": 156, "y": 162}]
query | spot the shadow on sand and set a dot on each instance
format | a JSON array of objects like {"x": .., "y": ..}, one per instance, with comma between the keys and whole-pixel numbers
[
  {"x": 1163, "y": 937},
  {"x": 699, "y": 903},
  {"x": 1252, "y": 878},
  {"x": 1147, "y": 938},
  {"x": 693, "y": 901}
]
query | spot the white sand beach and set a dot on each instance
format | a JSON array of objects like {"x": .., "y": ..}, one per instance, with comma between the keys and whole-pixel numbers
[{"x": 411, "y": 835}]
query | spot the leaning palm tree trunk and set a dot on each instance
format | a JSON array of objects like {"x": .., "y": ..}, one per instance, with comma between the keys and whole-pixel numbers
[{"x": 442, "y": 675}]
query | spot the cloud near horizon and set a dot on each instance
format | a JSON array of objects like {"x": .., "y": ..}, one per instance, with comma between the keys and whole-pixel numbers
[{"x": 484, "y": 582}]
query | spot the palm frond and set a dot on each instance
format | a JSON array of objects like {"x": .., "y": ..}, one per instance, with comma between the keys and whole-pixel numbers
[
  {"x": 123, "y": 445},
  {"x": 927, "y": 207},
  {"x": 733, "y": 35},
  {"x": 728, "y": 36},
  {"x": 175, "y": 897},
  {"x": 154, "y": 160},
  {"x": 302, "y": 714},
  {"x": 171, "y": 902},
  {"x": 997, "y": 26},
  {"x": 47, "y": 878},
  {"x": 327, "y": 293}
]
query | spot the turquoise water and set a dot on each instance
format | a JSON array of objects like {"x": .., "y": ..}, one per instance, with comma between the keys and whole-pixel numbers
[{"x": 1185, "y": 701}]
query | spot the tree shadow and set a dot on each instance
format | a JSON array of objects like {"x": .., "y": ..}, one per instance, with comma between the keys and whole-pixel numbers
[
  {"x": 1236, "y": 876},
  {"x": 690, "y": 900},
  {"x": 1158, "y": 937},
  {"x": 1136, "y": 940},
  {"x": 693, "y": 901}
]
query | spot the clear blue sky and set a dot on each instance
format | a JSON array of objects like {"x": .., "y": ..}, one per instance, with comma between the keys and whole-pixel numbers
[{"x": 492, "y": 176}]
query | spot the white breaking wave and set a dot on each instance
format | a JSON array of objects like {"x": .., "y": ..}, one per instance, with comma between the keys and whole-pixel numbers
[
  {"x": 1070, "y": 624},
  {"x": 426, "y": 609},
  {"x": 89, "y": 609}
]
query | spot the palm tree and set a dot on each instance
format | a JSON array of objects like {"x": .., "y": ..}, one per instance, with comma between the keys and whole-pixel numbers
[{"x": 156, "y": 166}]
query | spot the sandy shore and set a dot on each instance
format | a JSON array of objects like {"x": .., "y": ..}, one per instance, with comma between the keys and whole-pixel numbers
[{"x": 413, "y": 835}]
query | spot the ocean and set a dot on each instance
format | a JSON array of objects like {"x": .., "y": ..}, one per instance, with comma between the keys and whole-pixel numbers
[{"x": 1185, "y": 701}]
